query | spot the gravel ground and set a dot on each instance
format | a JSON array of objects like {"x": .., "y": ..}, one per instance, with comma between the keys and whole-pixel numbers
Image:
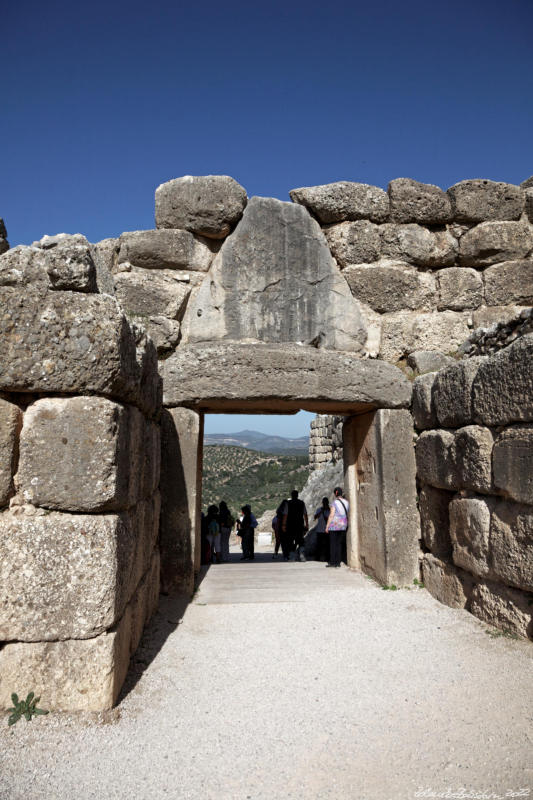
[{"x": 291, "y": 681}]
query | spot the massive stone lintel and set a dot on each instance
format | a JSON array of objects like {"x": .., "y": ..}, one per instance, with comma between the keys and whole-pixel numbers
[{"x": 231, "y": 376}]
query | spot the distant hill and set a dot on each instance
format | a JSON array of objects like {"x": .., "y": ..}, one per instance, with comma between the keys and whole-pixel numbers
[{"x": 265, "y": 443}]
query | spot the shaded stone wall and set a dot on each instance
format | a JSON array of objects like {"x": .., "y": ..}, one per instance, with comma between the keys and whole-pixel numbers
[
  {"x": 325, "y": 441},
  {"x": 474, "y": 459}
]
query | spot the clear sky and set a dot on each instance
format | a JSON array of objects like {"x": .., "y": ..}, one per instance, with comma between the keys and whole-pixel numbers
[{"x": 103, "y": 101}]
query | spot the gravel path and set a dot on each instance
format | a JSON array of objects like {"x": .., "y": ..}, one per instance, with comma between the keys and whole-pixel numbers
[{"x": 294, "y": 681}]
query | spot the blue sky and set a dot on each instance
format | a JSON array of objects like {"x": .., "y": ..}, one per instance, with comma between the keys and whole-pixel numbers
[{"x": 101, "y": 102}]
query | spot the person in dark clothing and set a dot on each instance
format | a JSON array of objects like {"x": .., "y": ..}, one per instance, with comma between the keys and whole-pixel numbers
[
  {"x": 246, "y": 532},
  {"x": 294, "y": 526},
  {"x": 322, "y": 542}
]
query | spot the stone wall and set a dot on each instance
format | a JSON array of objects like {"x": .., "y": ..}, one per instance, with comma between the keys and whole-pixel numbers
[
  {"x": 79, "y": 477},
  {"x": 474, "y": 460},
  {"x": 325, "y": 441}
]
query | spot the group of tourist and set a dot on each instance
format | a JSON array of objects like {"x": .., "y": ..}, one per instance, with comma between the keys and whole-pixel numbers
[{"x": 290, "y": 526}]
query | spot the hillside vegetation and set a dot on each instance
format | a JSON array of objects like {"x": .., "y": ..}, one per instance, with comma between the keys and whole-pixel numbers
[{"x": 238, "y": 476}]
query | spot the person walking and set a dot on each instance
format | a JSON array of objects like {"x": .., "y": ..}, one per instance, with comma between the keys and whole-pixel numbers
[
  {"x": 322, "y": 543},
  {"x": 277, "y": 527},
  {"x": 226, "y": 522},
  {"x": 295, "y": 525},
  {"x": 247, "y": 527},
  {"x": 213, "y": 533},
  {"x": 336, "y": 527}
]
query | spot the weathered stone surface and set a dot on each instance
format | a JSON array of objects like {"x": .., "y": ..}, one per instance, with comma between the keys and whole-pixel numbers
[
  {"x": 143, "y": 520},
  {"x": 445, "y": 582},
  {"x": 434, "y": 459},
  {"x": 345, "y": 200},
  {"x": 146, "y": 293},
  {"x": 435, "y": 520},
  {"x": 63, "y": 576},
  {"x": 166, "y": 249},
  {"x": 452, "y": 392},
  {"x": 69, "y": 263},
  {"x": 4, "y": 245},
  {"x": 10, "y": 424},
  {"x": 372, "y": 323},
  {"x": 529, "y": 204},
  {"x": 459, "y": 288},
  {"x": 510, "y": 282},
  {"x": 405, "y": 331},
  {"x": 66, "y": 342},
  {"x": 482, "y": 200},
  {"x": 144, "y": 602},
  {"x": 492, "y": 242},
  {"x": 528, "y": 183},
  {"x": 209, "y": 205},
  {"x": 472, "y": 451},
  {"x": 354, "y": 242},
  {"x": 513, "y": 463},
  {"x": 150, "y": 392},
  {"x": 391, "y": 285},
  {"x": 470, "y": 533},
  {"x": 164, "y": 332},
  {"x": 423, "y": 408},
  {"x": 422, "y": 361},
  {"x": 22, "y": 266},
  {"x": 81, "y": 454},
  {"x": 510, "y": 373},
  {"x": 150, "y": 458},
  {"x": 511, "y": 536},
  {"x": 507, "y": 609},
  {"x": 104, "y": 256},
  {"x": 274, "y": 280},
  {"x": 486, "y": 316},
  {"x": 238, "y": 375},
  {"x": 406, "y": 242},
  {"x": 411, "y": 201}
]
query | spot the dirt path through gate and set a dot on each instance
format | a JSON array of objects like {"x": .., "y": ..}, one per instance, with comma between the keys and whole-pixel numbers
[{"x": 295, "y": 681}]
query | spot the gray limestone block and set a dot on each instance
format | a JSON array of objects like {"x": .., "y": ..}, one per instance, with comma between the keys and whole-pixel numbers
[
  {"x": 66, "y": 342},
  {"x": 104, "y": 257},
  {"x": 507, "y": 609},
  {"x": 459, "y": 288},
  {"x": 423, "y": 407},
  {"x": 528, "y": 183},
  {"x": 486, "y": 316},
  {"x": 529, "y": 204},
  {"x": 512, "y": 463},
  {"x": 411, "y": 201},
  {"x": 402, "y": 332},
  {"x": 10, "y": 425},
  {"x": 63, "y": 576},
  {"x": 354, "y": 242},
  {"x": 511, "y": 536},
  {"x": 483, "y": 200},
  {"x": 143, "y": 520},
  {"x": 470, "y": 519},
  {"x": 502, "y": 389},
  {"x": 434, "y": 459},
  {"x": 144, "y": 293},
  {"x": 24, "y": 266},
  {"x": 422, "y": 361},
  {"x": 150, "y": 391},
  {"x": 209, "y": 205},
  {"x": 447, "y": 583},
  {"x": 388, "y": 286},
  {"x": 412, "y": 243},
  {"x": 211, "y": 376},
  {"x": 144, "y": 602},
  {"x": 274, "y": 280},
  {"x": 166, "y": 249},
  {"x": 150, "y": 458},
  {"x": 510, "y": 282},
  {"x": 343, "y": 201},
  {"x": 164, "y": 332},
  {"x": 69, "y": 263},
  {"x": 492, "y": 242},
  {"x": 452, "y": 392},
  {"x": 434, "y": 505},
  {"x": 472, "y": 454}
]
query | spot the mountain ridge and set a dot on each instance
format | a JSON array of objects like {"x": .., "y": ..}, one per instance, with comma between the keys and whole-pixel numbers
[{"x": 254, "y": 440}]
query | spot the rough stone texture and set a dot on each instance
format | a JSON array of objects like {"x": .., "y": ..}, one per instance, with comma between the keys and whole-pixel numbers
[
  {"x": 275, "y": 280},
  {"x": 10, "y": 424},
  {"x": 489, "y": 316},
  {"x": 445, "y": 582},
  {"x": 81, "y": 454},
  {"x": 104, "y": 256},
  {"x": 338, "y": 202},
  {"x": 459, "y": 288},
  {"x": 4, "y": 244},
  {"x": 164, "y": 332},
  {"x": 354, "y": 242},
  {"x": 405, "y": 331},
  {"x": 492, "y": 242},
  {"x": 145, "y": 293},
  {"x": 472, "y": 450},
  {"x": 211, "y": 376},
  {"x": 507, "y": 609},
  {"x": 470, "y": 533},
  {"x": 434, "y": 459},
  {"x": 435, "y": 520},
  {"x": 64, "y": 576},
  {"x": 509, "y": 371},
  {"x": 387, "y": 518},
  {"x": 165, "y": 249},
  {"x": 510, "y": 282},
  {"x": 66, "y": 342},
  {"x": 511, "y": 536},
  {"x": 483, "y": 200},
  {"x": 69, "y": 263},
  {"x": 411, "y": 201},
  {"x": 391, "y": 286},
  {"x": 209, "y": 205},
  {"x": 512, "y": 463},
  {"x": 151, "y": 385},
  {"x": 529, "y": 204},
  {"x": 422, "y": 361},
  {"x": 453, "y": 392},
  {"x": 423, "y": 407},
  {"x": 411, "y": 243},
  {"x": 528, "y": 183}
]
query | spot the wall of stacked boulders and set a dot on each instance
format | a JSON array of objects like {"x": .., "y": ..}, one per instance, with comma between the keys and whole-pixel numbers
[
  {"x": 80, "y": 400},
  {"x": 474, "y": 457},
  {"x": 325, "y": 440}
]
